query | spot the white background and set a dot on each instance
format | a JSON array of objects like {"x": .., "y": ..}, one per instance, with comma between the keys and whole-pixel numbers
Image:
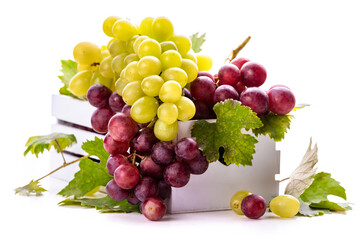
[{"x": 311, "y": 46}]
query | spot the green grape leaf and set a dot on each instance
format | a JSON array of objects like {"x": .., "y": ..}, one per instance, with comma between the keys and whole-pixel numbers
[
  {"x": 91, "y": 174},
  {"x": 60, "y": 141},
  {"x": 197, "y": 41},
  {"x": 104, "y": 204},
  {"x": 274, "y": 125},
  {"x": 68, "y": 69},
  {"x": 306, "y": 211},
  {"x": 29, "y": 189},
  {"x": 226, "y": 132}
]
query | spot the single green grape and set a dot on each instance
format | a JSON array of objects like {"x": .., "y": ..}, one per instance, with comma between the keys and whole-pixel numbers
[
  {"x": 105, "y": 67},
  {"x": 167, "y": 45},
  {"x": 137, "y": 43},
  {"x": 170, "y": 91},
  {"x": 148, "y": 66},
  {"x": 190, "y": 68},
  {"x": 118, "y": 63},
  {"x": 122, "y": 76},
  {"x": 182, "y": 43},
  {"x": 80, "y": 83},
  {"x": 176, "y": 74},
  {"x": 117, "y": 47},
  {"x": 170, "y": 58},
  {"x": 144, "y": 109},
  {"x": 132, "y": 92},
  {"x": 165, "y": 132},
  {"x": 190, "y": 55},
  {"x": 168, "y": 113},
  {"x": 285, "y": 206},
  {"x": 149, "y": 47},
  {"x": 151, "y": 85},
  {"x": 145, "y": 27},
  {"x": 162, "y": 29},
  {"x": 131, "y": 72},
  {"x": 98, "y": 78},
  {"x": 108, "y": 25},
  {"x": 186, "y": 109},
  {"x": 130, "y": 44},
  {"x": 124, "y": 30},
  {"x": 203, "y": 62},
  {"x": 119, "y": 86},
  {"x": 235, "y": 201},
  {"x": 86, "y": 53},
  {"x": 131, "y": 58}
]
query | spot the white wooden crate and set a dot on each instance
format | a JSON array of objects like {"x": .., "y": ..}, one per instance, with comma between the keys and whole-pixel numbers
[{"x": 207, "y": 192}]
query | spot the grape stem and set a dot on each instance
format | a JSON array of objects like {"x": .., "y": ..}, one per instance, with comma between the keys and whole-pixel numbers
[{"x": 236, "y": 51}]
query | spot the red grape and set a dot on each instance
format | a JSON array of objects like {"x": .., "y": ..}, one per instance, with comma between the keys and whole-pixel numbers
[
  {"x": 126, "y": 176},
  {"x": 100, "y": 119},
  {"x": 98, "y": 95},
  {"x": 187, "y": 148},
  {"x": 224, "y": 92},
  {"x": 153, "y": 208},
  {"x": 256, "y": 99},
  {"x": 163, "y": 153},
  {"x": 198, "y": 165},
  {"x": 164, "y": 190},
  {"x": 206, "y": 74},
  {"x": 239, "y": 62},
  {"x": 149, "y": 168},
  {"x": 177, "y": 174},
  {"x": 240, "y": 87},
  {"x": 116, "y": 102},
  {"x": 147, "y": 187},
  {"x": 114, "y": 147},
  {"x": 252, "y": 74},
  {"x": 229, "y": 74},
  {"x": 253, "y": 206},
  {"x": 122, "y": 127},
  {"x": 203, "y": 88},
  {"x": 114, "y": 161},
  {"x": 144, "y": 140},
  {"x": 281, "y": 100},
  {"x": 115, "y": 192}
]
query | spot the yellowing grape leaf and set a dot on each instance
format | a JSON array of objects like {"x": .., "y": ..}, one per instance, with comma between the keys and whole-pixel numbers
[
  {"x": 32, "y": 187},
  {"x": 197, "y": 41}
]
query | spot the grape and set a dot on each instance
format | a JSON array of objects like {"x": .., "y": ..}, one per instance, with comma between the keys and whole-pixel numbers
[
  {"x": 281, "y": 100},
  {"x": 279, "y": 85},
  {"x": 100, "y": 79},
  {"x": 169, "y": 59},
  {"x": 206, "y": 74},
  {"x": 144, "y": 109},
  {"x": 145, "y": 27},
  {"x": 117, "y": 47},
  {"x": 144, "y": 140},
  {"x": 151, "y": 85},
  {"x": 176, "y": 74},
  {"x": 149, "y": 168},
  {"x": 132, "y": 92},
  {"x": 130, "y": 44},
  {"x": 239, "y": 87},
  {"x": 252, "y": 74},
  {"x": 123, "y": 30},
  {"x": 253, "y": 206},
  {"x": 115, "y": 147},
  {"x": 167, "y": 45},
  {"x": 132, "y": 199},
  {"x": 177, "y": 174},
  {"x": 190, "y": 68},
  {"x": 126, "y": 176},
  {"x": 236, "y": 199},
  {"x": 186, "y": 108},
  {"x": 170, "y": 91},
  {"x": 164, "y": 190},
  {"x": 115, "y": 192},
  {"x": 203, "y": 110},
  {"x": 86, "y": 53},
  {"x": 162, "y": 29},
  {"x": 198, "y": 165},
  {"x": 188, "y": 94},
  {"x": 108, "y": 25},
  {"x": 100, "y": 119},
  {"x": 153, "y": 208},
  {"x": 191, "y": 56},
  {"x": 239, "y": 62},
  {"x": 285, "y": 206},
  {"x": 80, "y": 83},
  {"x": 126, "y": 109},
  {"x": 229, "y": 74},
  {"x": 114, "y": 161},
  {"x": 147, "y": 187},
  {"x": 256, "y": 99},
  {"x": 203, "y": 89},
  {"x": 165, "y": 132},
  {"x": 118, "y": 64},
  {"x": 149, "y": 65},
  {"x": 105, "y": 67},
  {"x": 149, "y": 47},
  {"x": 98, "y": 95},
  {"x": 116, "y": 102},
  {"x": 187, "y": 148},
  {"x": 103, "y": 54},
  {"x": 122, "y": 127},
  {"x": 137, "y": 43},
  {"x": 132, "y": 57},
  {"x": 168, "y": 113},
  {"x": 163, "y": 153},
  {"x": 182, "y": 43},
  {"x": 203, "y": 62},
  {"x": 131, "y": 72},
  {"x": 224, "y": 92}
]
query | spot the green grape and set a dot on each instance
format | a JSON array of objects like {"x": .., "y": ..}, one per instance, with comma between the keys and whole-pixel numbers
[
  {"x": 104, "y": 54},
  {"x": 137, "y": 43},
  {"x": 83, "y": 67},
  {"x": 235, "y": 201},
  {"x": 124, "y": 30},
  {"x": 190, "y": 55},
  {"x": 87, "y": 53},
  {"x": 118, "y": 64},
  {"x": 130, "y": 44},
  {"x": 170, "y": 91},
  {"x": 119, "y": 86},
  {"x": 165, "y": 132},
  {"x": 148, "y": 66},
  {"x": 132, "y": 92},
  {"x": 203, "y": 62},
  {"x": 131, "y": 58},
  {"x": 98, "y": 78},
  {"x": 167, "y": 45},
  {"x": 131, "y": 72},
  {"x": 145, "y": 27},
  {"x": 186, "y": 109},
  {"x": 151, "y": 85},
  {"x": 105, "y": 67},
  {"x": 168, "y": 113},
  {"x": 170, "y": 58},
  {"x": 144, "y": 109},
  {"x": 80, "y": 83},
  {"x": 182, "y": 43},
  {"x": 117, "y": 47},
  {"x": 149, "y": 47},
  {"x": 162, "y": 29},
  {"x": 285, "y": 206},
  {"x": 176, "y": 74},
  {"x": 190, "y": 68},
  {"x": 122, "y": 76},
  {"x": 108, "y": 25}
]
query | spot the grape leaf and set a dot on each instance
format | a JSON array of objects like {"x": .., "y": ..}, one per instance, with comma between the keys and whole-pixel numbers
[
  {"x": 69, "y": 69},
  {"x": 60, "y": 141},
  {"x": 274, "y": 125},
  {"x": 32, "y": 187},
  {"x": 197, "y": 41},
  {"x": 104, "y": 204},
  {"x": 307, "y": 211},
  {"x": 91, "y": 174},
  {"x": 226, "y": 132},
  {"x": 302, "y": 177}
]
